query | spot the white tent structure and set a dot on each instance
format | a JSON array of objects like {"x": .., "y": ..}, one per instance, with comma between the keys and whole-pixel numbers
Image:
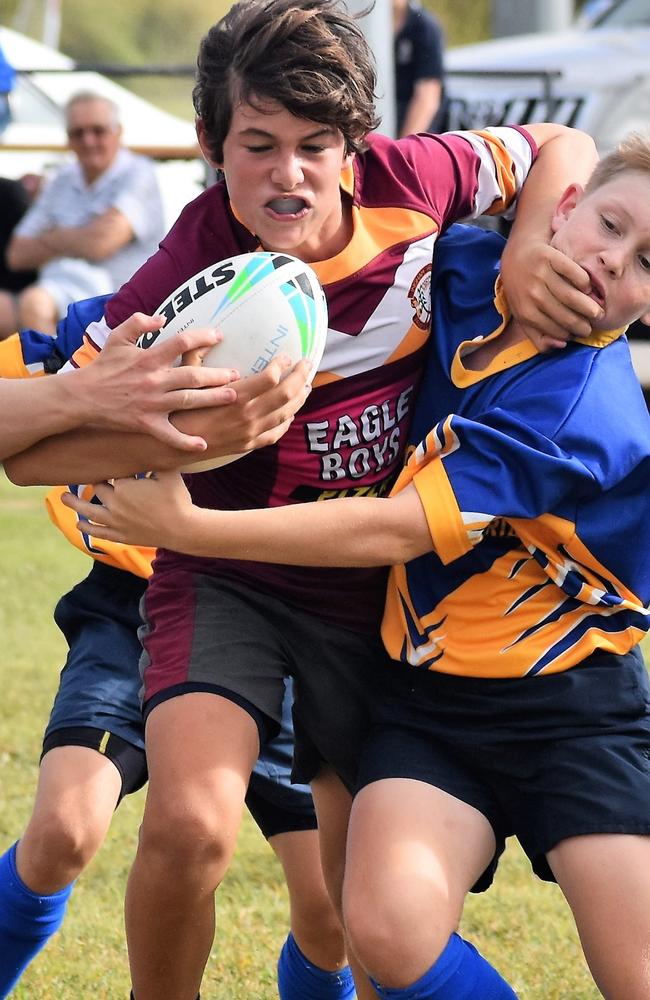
[{"x": 35, "y": 140}]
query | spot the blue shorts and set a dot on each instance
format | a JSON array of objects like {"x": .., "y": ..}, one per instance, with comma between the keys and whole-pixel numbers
[
  {"x": 98, "y": 701},
  {"x": 543, "y": 758}
]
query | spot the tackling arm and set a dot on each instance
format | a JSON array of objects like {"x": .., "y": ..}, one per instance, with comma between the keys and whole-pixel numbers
[
  {"x": 260, "y": 412},
  {"x": 125, "y": 388},
  {"x": 359, "y": 531}
]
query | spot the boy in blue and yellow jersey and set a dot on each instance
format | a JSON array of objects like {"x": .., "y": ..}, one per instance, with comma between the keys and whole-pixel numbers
[
  {"x": 519, "y": 531},
  {"x": 93, "y": 748}
]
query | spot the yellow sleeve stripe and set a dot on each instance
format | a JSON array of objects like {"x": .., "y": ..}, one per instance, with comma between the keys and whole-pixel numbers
[
  {"x": 448, "y": 532},
  {"x": 12, "y": 364}
]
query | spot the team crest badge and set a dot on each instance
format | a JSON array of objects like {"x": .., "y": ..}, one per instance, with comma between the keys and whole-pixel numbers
[{"x": 420, "y": 298}]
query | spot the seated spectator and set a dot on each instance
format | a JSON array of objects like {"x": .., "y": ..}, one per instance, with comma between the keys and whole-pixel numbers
[
  {"x": 15, "y": 199},
  {"x": 94, "y": 223}
]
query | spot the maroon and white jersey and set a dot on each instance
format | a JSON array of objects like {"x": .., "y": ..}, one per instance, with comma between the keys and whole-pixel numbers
[{"x": 349, "y": 437}]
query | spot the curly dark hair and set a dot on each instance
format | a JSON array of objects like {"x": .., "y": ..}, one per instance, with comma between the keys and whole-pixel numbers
[{"x": 310, "y": 56}]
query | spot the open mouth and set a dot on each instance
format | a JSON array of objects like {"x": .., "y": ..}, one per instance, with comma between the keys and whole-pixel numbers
[{"x": 287, "y": 206}]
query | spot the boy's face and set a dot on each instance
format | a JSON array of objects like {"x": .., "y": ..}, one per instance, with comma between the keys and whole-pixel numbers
[
  {"x": 283, "y": 178},
  {"x": 607, "y": 232}
]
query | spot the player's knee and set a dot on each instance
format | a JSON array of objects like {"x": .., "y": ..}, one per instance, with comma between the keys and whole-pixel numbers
[
  {"x": 57, "y": 847},
  {"x": 314, "y": 920},
  {"x": 189, "y": 840},
  {"x": 369, "y": 935},
  {"x": 390, "y": 939}
]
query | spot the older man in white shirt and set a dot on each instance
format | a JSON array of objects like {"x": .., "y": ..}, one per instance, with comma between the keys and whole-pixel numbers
[{"x": 94, "y": 224}]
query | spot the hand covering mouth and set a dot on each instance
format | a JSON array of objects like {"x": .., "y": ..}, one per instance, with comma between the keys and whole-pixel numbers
[
  {"x": 596, "y": 291},
  {"x": 287, "y": 206}
]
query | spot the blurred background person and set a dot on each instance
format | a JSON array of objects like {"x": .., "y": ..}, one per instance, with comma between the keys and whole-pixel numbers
[
  {"x": 7, "y": 75},
  {"x": 419, "y": 69},
  {"x": 15, "y": 198},
  {"x": 94, "y": 223}
]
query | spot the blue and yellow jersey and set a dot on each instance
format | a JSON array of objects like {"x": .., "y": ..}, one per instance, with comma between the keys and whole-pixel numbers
[
  {"x": 29, "y": 354},
  {"x": 535, "y": 484}
]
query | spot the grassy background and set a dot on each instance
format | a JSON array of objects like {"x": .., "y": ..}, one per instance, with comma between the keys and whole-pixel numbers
[{"x": 521, "y": 924}]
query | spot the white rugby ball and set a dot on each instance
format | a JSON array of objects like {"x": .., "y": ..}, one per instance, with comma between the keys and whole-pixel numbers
[{"x": 264, "y": 303}]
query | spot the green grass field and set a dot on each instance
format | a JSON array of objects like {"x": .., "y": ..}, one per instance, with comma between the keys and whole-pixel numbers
[{"x": 521, "y": 924}]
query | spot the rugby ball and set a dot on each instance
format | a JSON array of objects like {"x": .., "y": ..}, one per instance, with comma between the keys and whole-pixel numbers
[{"x": 264, "y": 303}]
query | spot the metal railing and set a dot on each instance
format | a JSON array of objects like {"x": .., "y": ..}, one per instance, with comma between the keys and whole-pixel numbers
[
  {"x": 162, "y": 152},
  {"x": 547, "y": 77},
  {"x": 115, "y": 69}
]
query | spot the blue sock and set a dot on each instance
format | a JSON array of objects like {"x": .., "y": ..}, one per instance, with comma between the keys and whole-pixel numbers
[
  {"x": 131, "y": 997},
  {"x": 298, "y": 979},
  {"x": 27, "y": 921},
  {"x": 460, "y": 973}
]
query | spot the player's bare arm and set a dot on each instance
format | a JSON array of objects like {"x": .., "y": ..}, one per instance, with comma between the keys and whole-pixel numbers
[
  {"x": 124, "y": 388},
  {"x": 545, "y": 289},
  {"x": 262, "y": 411},
  {"x": 30, "y": 409},
  {"x": 359, "y": 531}
]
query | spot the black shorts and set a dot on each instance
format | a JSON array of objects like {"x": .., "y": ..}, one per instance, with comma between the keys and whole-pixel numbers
[
  {"x": 275, "y": 803},
  {"x": 543, "y": 758}
]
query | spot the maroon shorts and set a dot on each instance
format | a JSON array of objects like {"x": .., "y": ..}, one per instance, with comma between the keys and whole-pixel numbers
[{"x": 204, "y": 634}]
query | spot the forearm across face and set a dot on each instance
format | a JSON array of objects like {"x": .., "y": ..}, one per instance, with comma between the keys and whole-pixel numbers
[
  {"x": 546, "y": 291},
  {"x": 565, "y": 156}
]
